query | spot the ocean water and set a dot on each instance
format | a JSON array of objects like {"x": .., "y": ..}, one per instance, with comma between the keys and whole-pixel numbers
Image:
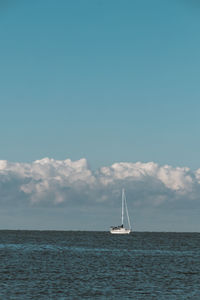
[{"x": 98, "y": 265}]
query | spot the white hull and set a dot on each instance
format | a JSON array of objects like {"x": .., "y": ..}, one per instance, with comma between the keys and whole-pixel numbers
[{"x": 120, "y": 231}]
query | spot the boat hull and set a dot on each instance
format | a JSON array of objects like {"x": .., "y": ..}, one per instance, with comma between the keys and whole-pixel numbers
[{"x": 120, "y": 231}]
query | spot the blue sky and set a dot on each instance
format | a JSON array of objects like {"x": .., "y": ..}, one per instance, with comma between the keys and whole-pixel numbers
[
  {"x": 109, "y": 81},
  {"x": 106, "y": 80}
]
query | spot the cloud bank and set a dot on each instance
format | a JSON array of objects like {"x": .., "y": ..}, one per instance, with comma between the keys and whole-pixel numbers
[{"x": 54, "y": 182}]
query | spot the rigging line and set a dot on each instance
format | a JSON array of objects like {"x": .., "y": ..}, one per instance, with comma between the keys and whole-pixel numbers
[{"x": 129, "y": 224}]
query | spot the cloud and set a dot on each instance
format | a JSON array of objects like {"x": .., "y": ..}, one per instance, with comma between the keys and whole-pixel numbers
[{"x": 55, "y": 182}]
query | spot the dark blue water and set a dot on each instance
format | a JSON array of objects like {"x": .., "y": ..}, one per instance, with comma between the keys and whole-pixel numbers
[{"x": 98, "y": 265}]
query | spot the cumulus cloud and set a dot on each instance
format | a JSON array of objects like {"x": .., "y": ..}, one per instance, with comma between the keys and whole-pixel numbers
[{"x": 55, "y": 182}]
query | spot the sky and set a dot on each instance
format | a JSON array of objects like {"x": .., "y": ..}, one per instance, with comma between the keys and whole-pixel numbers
[{"x": 97, "y": 95}]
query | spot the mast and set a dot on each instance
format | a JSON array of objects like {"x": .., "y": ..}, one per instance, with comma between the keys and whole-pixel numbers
[{"x": 122, "y": 206}]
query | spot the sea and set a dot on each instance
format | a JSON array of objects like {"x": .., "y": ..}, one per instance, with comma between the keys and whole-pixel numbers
[{"x": 98, "y": 265}]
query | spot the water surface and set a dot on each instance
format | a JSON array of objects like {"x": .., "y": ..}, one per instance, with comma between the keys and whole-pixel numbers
[{"x": 98, "y": 265}]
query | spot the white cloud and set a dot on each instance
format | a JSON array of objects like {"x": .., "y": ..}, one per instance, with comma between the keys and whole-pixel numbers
[{"x": 55, "y": 182}]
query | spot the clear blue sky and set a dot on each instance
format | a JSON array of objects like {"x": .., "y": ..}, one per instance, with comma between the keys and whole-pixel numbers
[{"x": 106, "y": 80}]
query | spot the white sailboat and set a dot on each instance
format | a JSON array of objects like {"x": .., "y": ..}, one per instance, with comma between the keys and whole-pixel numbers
[{"x": 121, "y": 229}]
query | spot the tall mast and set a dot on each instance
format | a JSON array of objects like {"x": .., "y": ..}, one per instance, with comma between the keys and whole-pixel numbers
[{"x": 122, "y": 206}]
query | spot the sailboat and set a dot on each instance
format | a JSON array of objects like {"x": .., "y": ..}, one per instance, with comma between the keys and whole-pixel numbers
[{"x": 121, "y": 229}]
